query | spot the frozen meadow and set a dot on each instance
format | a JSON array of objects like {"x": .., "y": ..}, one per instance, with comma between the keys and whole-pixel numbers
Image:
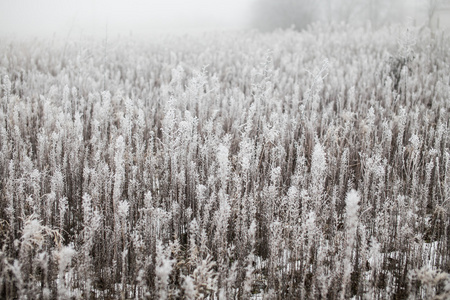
[{"x": 284, "y": 165}]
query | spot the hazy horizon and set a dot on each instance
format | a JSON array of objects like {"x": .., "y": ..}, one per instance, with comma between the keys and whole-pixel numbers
[
  {"x": 100, "y": 18},
  {"x": 25, "y": 18}
]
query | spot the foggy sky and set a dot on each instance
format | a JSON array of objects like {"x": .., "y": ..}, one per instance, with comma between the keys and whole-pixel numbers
[
  {"x": 25, "y": 18},
  {"x": 111, "y": 18}
]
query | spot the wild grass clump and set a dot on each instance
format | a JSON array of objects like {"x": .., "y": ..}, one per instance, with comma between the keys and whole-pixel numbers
[{"x": 312, "y": 165}]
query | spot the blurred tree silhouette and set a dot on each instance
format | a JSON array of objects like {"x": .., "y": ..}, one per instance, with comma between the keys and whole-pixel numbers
[{"x": 272, "y": 14}]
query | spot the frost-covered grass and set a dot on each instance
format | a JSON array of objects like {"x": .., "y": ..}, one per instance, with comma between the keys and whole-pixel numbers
[{"x": 281, "y": 165}]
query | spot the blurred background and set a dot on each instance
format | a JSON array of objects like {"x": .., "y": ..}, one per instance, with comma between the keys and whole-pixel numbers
[{"x": 24, "y": 18}]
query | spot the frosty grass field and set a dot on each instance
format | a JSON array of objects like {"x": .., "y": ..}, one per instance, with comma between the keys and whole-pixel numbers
[{"x": 285, "y": 165}]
